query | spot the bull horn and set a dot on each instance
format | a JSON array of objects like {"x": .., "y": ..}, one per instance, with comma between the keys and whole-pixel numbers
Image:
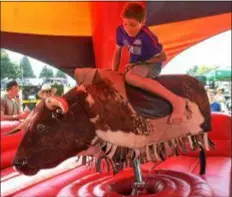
[
  {"x": 85, "y": 75},
  {"x": 52, "y": 101},
  {"x": 15, "y": 130},
  {"x": 20, "y": 127}
]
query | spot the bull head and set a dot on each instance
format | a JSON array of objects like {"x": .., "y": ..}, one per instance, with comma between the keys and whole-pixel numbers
[{"x": 57, "y": 129}]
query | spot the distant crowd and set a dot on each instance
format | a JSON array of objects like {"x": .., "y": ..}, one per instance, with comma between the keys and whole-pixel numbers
[{"x": 218, "y": 101}]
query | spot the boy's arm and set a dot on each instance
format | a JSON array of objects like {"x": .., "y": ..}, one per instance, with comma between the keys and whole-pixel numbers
[
  {"x": 159, "y": 58},
  {"x": 116, "y": 58}
]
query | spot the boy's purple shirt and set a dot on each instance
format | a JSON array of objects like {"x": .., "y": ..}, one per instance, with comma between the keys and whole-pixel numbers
[{"x": 142, "y": 47}]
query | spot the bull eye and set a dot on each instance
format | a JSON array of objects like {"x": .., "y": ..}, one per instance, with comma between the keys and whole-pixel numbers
[
  {"x": 57, "y": 114},
  {"x": 59, "y": 111},
  {"x": 40, "y": 127}
]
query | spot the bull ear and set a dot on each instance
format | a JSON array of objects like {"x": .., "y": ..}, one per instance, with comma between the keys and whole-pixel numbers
[
  {"x": 16, "y": 130},
  {"x": 21, "y": 126},
  {"x": 85, "y": 75}
]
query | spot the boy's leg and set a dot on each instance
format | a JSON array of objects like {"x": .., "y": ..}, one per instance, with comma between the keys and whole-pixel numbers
[{"x": 155, "y": 87}]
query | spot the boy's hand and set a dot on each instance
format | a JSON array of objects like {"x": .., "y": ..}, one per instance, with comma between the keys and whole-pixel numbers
[{"x": 130, "y": 66}]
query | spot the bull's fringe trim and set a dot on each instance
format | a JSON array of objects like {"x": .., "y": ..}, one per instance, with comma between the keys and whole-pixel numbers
[{"x": 122, "y": 157}]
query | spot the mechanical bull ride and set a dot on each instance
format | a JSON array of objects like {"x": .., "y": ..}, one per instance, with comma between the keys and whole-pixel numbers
[{"x": 104, "y": 118}]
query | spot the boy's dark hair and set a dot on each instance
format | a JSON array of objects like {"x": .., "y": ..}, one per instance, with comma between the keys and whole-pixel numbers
[
  {"x": 135, "y": 11},
  {"x": 10, "y": 84}
]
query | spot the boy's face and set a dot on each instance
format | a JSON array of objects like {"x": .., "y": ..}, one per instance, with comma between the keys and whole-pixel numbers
[{"x": 131, "y": 26}]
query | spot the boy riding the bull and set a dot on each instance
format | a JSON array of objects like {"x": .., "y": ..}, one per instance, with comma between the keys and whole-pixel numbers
[{"x": 146, "y": 57}]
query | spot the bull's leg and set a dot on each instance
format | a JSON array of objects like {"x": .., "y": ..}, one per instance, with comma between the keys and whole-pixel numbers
[{"x": 139, "y": 184}]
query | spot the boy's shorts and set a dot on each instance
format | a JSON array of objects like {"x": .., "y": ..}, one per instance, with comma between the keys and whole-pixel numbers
[{"x": 147, "y": 70}]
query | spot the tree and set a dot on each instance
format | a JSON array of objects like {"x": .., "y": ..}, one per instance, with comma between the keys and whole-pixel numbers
[
  {"x": 205, "y": 69},
  {"x": 200, "y": 70},
  {"x": 61, "y": 74},
  {"x": 25, "y": 65},
  {"x": 192, "y": 71},
  {"x": 46, "y": 72},
  {"x": 9, "y": 69}
]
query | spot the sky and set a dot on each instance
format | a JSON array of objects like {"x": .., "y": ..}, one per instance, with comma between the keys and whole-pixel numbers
[{"x": 213, "y": 51}]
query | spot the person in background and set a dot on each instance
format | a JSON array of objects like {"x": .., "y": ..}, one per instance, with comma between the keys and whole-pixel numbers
[
  {"x": 46, "y": 91},
  {"x": 220, "y": 98},
  {"x": 10, "y": 103},
  {"x": 214, "y": 105}
]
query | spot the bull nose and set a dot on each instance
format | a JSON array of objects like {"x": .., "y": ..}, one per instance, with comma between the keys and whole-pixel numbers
[{"x": 20, "y": 164}]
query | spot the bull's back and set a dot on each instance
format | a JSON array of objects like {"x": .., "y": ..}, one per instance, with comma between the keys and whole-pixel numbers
[
  {"x": 191, "y": 88},
  {"x": 152, "y": 106}
]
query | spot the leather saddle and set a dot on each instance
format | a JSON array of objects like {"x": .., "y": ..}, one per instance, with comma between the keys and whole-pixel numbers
[
  {"x": 153, "y": 106},
  {"x": 146, "y": 104}
]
